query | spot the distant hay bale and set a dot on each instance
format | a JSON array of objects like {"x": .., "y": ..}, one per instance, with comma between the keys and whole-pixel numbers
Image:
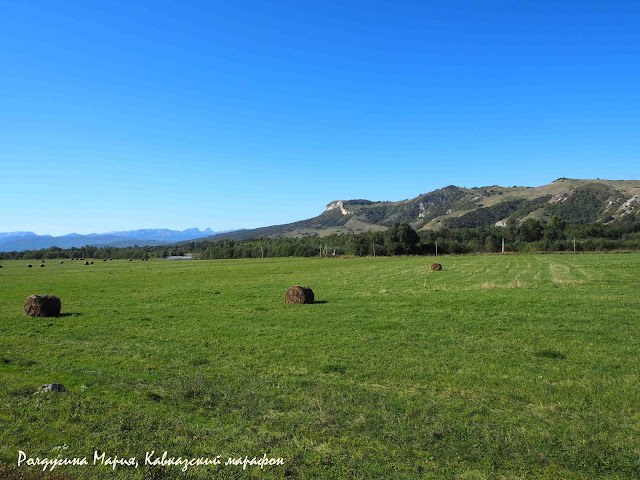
[
  {"x": 436, "y": 266},
  {"x": 61, "y": 262},
  {"x": 29, "y": 266},
  {"x": 299, "y": 294},
  {"x": 130, "y": 260},
  {"x": 86, "y": 263},
  {"x": 42, "y": 265},
  {"x": 104, "y": 259},
  {"x": 42, "y": 306},
  {"x": 91, "y": 263},
  {"x": 42, "y": 261}
]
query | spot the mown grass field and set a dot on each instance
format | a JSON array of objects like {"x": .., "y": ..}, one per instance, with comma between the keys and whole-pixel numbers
[{"x": 513, "y": 366}]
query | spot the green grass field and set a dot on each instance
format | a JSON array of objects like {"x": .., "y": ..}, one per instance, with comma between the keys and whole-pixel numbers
[{"x": 513, "y": 366}]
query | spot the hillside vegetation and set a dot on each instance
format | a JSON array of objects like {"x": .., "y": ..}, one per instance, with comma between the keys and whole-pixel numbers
[{"x": 571, "y": 200}]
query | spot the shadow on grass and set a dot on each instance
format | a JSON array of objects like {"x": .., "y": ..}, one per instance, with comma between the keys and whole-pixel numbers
[
  {"x": 70, "y": 314},
  {"x": 550, "y": 353},
  {"x": 320, "y": 301}
]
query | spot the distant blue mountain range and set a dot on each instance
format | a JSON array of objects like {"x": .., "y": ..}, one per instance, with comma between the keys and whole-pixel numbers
[{"x": 20, "y": 241}]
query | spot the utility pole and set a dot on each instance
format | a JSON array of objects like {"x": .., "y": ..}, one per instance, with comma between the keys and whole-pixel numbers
[
  {"x": 502, "y": 244},
  {"x": 574, "y": 244},
  {"x": 261, "y": 251},
  {"x": 373, "y": 245},
  {"x": 436, "y": 248}
]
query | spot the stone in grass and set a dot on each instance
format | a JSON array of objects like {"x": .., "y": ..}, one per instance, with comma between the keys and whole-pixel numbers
[
  {"x": 299, "y": 295},
  {"x": 52, "y": 387},
  {"x": 42, "y": 306}
]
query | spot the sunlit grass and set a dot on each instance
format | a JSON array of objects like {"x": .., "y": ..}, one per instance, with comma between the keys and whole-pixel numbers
[{"x": 513, "y": 366}]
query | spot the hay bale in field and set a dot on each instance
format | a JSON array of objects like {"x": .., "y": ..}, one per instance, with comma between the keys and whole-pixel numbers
[
  {"x": 29, "y": 266},
  {"x": 0, "y": 266},
  {"x": 91, "y": 263},
  {"x": 42, "y": 306},
  {"x": 436, "y": 266},
  {"x": 42, "y": 265},
  {"x": 42, "y": 261},
  {"x": 299, "y": 294},
  {"x": 130, "y": 260},
  {"x": 104, "y": 259},
  {"x": 61, "y": 262},
  {"x": 86, "y": 263}
]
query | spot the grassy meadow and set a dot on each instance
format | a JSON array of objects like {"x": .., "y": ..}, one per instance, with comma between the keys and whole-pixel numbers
[{"x": 497, "y": 367}]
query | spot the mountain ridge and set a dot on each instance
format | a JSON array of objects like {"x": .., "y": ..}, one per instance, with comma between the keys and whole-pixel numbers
[
  {"x": 572, "y": 200},
  {"x": 21, "y": 241}
]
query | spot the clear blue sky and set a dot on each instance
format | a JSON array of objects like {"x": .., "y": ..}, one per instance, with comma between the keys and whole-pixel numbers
[{"x": 122, "y": 115}]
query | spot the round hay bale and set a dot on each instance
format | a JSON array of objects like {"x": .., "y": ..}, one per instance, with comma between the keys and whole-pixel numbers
[
  {"x": 0, "y": 266},
  {"x": 104, "y": 259},
  {"x": 29, "y": 266},
  {"x": 42, "y": 306},
  {"x": 61, "y": 262},
  {"x": 91, "y": 263},
  {"x": 41, "y": 265},
  {"x": 42, "y": 261},
  {"x": 299, "y": 294},
  {"x": 436, "y": 266},
  {"x": 86, "y": 263}
]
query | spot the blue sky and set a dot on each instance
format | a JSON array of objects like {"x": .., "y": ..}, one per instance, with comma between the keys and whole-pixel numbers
[{"x": 123, "y": 115}]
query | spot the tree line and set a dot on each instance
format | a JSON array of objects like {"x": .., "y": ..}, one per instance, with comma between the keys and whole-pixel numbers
[{"x": 528, "y": 236}]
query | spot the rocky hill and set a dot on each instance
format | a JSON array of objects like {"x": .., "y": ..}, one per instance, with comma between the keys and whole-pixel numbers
[{"x": 573, "y": 200}]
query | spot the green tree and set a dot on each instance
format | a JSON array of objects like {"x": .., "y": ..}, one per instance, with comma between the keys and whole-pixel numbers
[
  {"x": 530, "y": 230},
  {"x": 491, "y": 245},
  {"x": 401, "y": 239}
]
